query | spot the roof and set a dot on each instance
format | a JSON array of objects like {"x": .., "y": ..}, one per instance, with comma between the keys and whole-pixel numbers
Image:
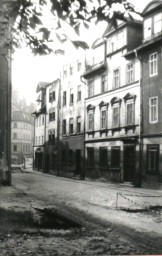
[
  {"x": 21, "y": 116},
  {"x": 150, "y": 7},
  {"x": 41, "y": 85}
]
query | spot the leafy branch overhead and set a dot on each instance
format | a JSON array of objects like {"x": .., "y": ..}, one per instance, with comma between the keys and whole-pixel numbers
[{"x": 26, "y": 20}]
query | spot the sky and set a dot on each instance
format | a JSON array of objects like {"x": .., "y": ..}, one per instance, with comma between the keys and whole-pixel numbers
[{"x": 28, "y": 70}]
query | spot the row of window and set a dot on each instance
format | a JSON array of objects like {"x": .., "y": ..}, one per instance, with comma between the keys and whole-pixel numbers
[
  {"x": 129, "y": 114},
  {"x": 71, "y": 69},
  {"x": 152, "y": 157},
  {"x": 22, "y": 125},
  {"x": 71, "y": 96},
  {"x": 39, "y": 121},
  {"x": 26, "y": 148},
  {"x": 23, "y": 136},
  {"x": 130, "y": 75},
  {"x": 71, "y": 126},
  {"x": 39, "y": 140}
]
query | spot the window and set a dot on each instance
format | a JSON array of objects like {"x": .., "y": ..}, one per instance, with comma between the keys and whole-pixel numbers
[
  {"x": 14, "y": 135},
  {"x": 103, "y": 118},
  {"x": 103, "y": 83},
  {"x": 71, "y": 97},
  {"x": 51, "y": 96},
  {"x": 39, "y": 140},
  {"x": 90, "y": 157},
  {"x": 116, "y": 78},
  {"x": 147, "y": 28},
  {"x": 130, "y": 73},
  {"x": 129, "y": 113},
  {"x": 42, "y": 120},
  {"x": 103, "y": 160},
  {"x": 51, "y": 114},
  {"x": 152, "y": 157},
  {"x": 64, "y": 127},
  {"x": 64, "y": 98},
  {"x": 79, "y": 93},
  {"x": 15, "y": 148},
  {"x": 79, "y": 66},
  {"x": 39, "y": 121},
  {"x": 15, "y": 125},
  {"x": 116, "y": 115},
  {"x": 158, "y": 23},
  {"x": 153, "y": 64},
  {"x": 36, "y": 121},
  {"x": 91, "y": 120},
  {"x": 51, "y": 136},
  {"x": 115, "y": 157},
  {"x": 42, "y": 140},
  {"x": 71, "y": 126},
  {"x": 78, "y": 124},
  {"x": 71, "y": 69},
  {"x": 36, "y": 140},
  {"x": 65, "y": 72},
  {"x": 70, "y": 157},
  {"x": 90, "y": 88},
  {"x": 153, "y": 26},
  {"x": 153, "y": 109},
  {"x": 63, "y": 154}
]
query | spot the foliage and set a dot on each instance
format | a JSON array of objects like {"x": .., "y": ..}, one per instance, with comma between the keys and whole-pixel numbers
[{"x": 24, "y": 19}]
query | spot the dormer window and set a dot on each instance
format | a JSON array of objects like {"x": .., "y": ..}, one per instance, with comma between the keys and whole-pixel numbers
[{"x": 153, "y": 26}]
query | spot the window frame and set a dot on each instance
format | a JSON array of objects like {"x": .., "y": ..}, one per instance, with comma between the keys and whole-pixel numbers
[
  {"x": 130, "y": 102},
  {"x": 103, "y": 109},
  {"x": 103, "y": 83},
  {"x": 115, "y": 77},
  {"x": 64, "y": 127},
  {"x": 79, "y": 93},
  {"x": 71, "y": 126},
  {"x": 130, "y": 73},
  {"x": 64, "y": 98},
  {"x": 153, "y": 62},
  {"x": 79, "y": 124},
  {"x": 155, "y": 148},
  {"x": 116, "y": 105},
  {"x": 52, "y": 114},
  {"x": 150, "y": 110},
  {"x": 102, "y": 165},
  {"x": 71, "y": 101},
  {"x": 90, "y": 87},
  {"x": 91, "y": 112}
]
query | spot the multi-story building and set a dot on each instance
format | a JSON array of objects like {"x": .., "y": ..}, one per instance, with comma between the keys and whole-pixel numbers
[
  {"x": 46, "y": 146},
  {"x": 22, "y": 136},
  {"x": 72, "y": 115},
  {"x": 113, "y": 106},
  {"x": 150, "y": 55}
]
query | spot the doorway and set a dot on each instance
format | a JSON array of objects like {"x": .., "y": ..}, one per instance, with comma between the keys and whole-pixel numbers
[
  {"x": 129, "y": 163},
  {"x": 78, "y": 161}
]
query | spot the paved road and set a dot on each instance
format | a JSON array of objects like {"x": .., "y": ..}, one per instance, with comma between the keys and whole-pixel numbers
[{"x": 95, "y": 199}]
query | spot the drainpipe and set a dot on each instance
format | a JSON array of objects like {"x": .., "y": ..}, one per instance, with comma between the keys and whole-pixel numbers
[
  {"x": 33, "y": 142},
  {"x": 58, "y": 126},
  {"x": 140, "y": 121}
]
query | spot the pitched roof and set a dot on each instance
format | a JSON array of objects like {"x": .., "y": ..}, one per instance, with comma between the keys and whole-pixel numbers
[
  {"x": 22, "y": 117},
  {"x": 41, "y": 85}
]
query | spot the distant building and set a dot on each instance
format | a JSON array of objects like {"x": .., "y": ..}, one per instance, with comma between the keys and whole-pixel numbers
[{"x": 22, "y": 136}]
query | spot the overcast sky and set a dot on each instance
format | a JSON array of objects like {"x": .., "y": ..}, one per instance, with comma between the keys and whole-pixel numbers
[{"x": 28, "y": 70}]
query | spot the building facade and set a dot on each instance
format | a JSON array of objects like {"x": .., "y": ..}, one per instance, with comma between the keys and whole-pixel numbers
[
  {"x": 72, "y": 117},
  {"x": 113, "y": 107},
  {"x": 150, "y": 54},
  {"x": 22, "y": 136}
]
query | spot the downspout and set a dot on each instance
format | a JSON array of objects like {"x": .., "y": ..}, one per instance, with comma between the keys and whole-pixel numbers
[
  {"x": 58, "y": 125},
  {"x": 140, "y": 121},
  {"x": 33, "y": 143}
]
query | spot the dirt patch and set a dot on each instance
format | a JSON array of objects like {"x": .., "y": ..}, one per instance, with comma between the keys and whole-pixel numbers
[{"x": 21, "y": 234}]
